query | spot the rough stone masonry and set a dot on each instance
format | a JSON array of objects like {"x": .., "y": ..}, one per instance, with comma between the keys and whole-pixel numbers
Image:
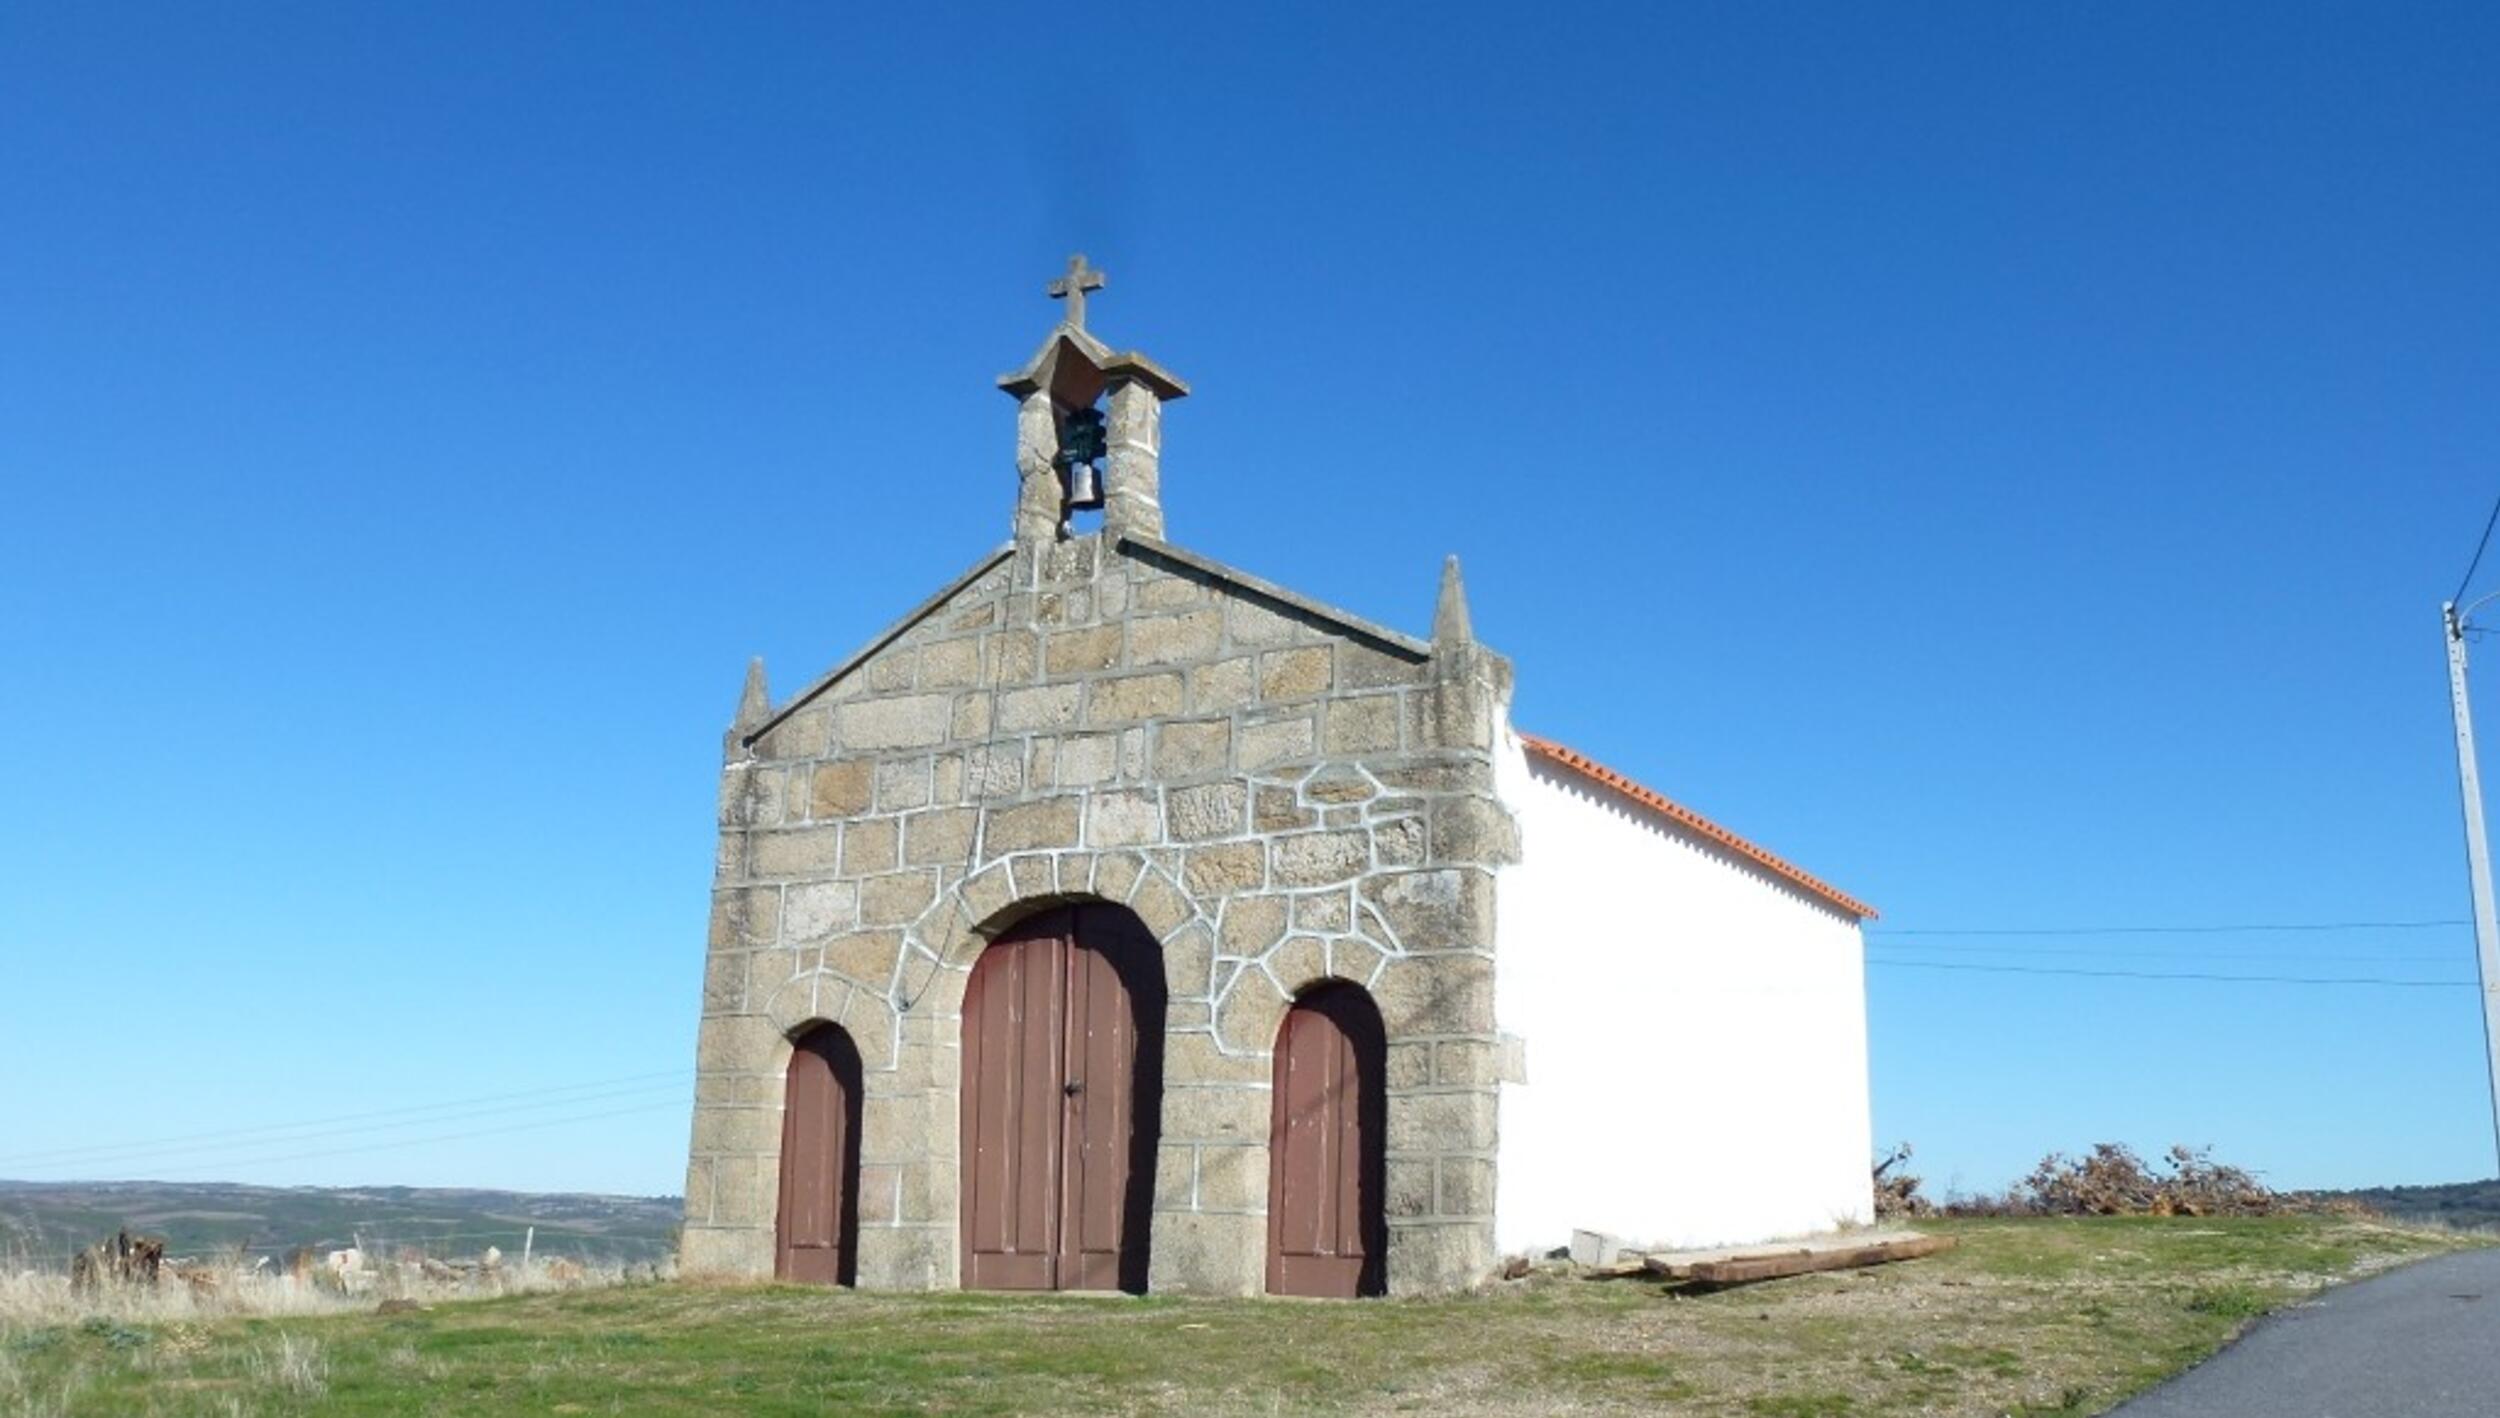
[{"x": 1283, "y": 793}]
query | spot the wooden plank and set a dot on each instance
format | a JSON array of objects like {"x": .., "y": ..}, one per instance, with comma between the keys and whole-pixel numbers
[
  {"x": 1746, "y": 1269},
  {"x": 1618, "y": 1269},
  {"x": 1684, "y": 1269},
  {"x": 1678, "y": 1265}
]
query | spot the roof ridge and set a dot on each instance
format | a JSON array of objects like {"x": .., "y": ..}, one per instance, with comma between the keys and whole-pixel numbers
[
  {"x": 1260, "y": 586},
  {"x": 1658, "y": 802},
  {"x": 988, "y": 563}
]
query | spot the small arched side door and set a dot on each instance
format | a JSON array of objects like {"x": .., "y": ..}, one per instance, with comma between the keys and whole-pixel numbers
[
  {"x": 816, "y": 1234},
  {"x": 1327, "y": 1232}
]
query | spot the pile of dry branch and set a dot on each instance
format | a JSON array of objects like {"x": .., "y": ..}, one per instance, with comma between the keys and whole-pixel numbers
[
  {"x": 122, "y": 1260},
  {"x": 2110, "y": 1180},
  {"x": 1896, "y": 1189}
]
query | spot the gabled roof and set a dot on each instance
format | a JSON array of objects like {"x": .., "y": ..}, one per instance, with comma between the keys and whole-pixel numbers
[
  {"x": 1242, "y": 583},
  {"x": 1589, "y": 768}
]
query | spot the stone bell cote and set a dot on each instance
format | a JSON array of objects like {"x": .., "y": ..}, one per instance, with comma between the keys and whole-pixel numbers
[{"x": 1063, "y": 429}]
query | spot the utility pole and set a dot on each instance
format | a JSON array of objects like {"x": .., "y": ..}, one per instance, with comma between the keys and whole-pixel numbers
[{"x": 2477, "y": 856}]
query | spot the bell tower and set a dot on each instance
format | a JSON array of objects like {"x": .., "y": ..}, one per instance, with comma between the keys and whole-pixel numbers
[{"x": 1089, "y": 426}]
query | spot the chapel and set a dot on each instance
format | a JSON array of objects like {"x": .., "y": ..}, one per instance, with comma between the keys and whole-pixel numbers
[{"x": 1120, "y": 920}]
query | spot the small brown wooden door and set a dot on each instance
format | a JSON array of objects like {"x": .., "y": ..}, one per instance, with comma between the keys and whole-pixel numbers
[
  {"x": 1326, "y": 1231},
  {"x": 1062, "y": 1070},
  {"x": 816, "y": 1234}
]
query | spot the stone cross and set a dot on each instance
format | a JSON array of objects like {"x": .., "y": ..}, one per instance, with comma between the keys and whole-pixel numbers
[{"x": 1073, "y": 286}]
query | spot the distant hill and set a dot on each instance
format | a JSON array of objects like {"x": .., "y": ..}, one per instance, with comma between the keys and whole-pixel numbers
[
  {"x": 2464, "y": 1204},
  {"x": 42, "y": 1223}
]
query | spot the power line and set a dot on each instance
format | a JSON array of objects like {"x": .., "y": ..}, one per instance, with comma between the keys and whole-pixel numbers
[
  {"x": 266, "y": 1137},
  {"x": 2259, "y": 929},
  {"x": 2492, "y": 521},
  {"x": 13, "y": 1159},
  {"x": 2173, "y": 975},
  {"x": 2165, "y": 952},
  {"x": 531, "y": 1125}
]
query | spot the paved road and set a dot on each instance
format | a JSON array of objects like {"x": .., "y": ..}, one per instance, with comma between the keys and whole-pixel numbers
[{"x": 2421, "y": 1342}]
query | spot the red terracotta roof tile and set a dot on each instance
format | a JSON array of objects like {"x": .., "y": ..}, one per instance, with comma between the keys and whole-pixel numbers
[{"x": 1657, "y": 802}]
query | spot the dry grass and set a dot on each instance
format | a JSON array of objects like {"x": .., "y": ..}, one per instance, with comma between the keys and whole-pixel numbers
[
  {"x": 33, "y": 1299},
  {"x": 291, "y": 1365},
  {"x": 2027, "y": 1317}
]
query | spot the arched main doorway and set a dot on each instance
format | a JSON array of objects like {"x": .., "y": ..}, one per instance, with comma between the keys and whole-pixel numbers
[
  {"x": 1062, "y": 1102},
  {"x": 816, "y": 1231},
  {"x": 1327, "y": 1231}
]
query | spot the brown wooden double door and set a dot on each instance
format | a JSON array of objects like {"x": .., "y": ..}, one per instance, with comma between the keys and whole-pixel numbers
[
  {"x": 1327, "y": 1231},
  {"x": 1062, "y": 1096},
  {"x": 816, "y": 1229}
]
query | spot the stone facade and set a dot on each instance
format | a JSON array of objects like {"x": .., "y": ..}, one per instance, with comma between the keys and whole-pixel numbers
[{"x": 1284, "y": 794}]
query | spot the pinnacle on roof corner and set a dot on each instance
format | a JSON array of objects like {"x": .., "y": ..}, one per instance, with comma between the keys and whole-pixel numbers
[
  {"x": 755, "y": 701},
  {"x": 1450, "y": 624}
]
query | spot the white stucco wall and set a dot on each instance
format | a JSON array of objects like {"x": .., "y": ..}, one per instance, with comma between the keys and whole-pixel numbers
[{"x": 1694, "y": 1032}]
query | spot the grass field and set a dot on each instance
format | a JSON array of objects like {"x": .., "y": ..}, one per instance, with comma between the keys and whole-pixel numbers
[{"x": 2025, "y": 1317}]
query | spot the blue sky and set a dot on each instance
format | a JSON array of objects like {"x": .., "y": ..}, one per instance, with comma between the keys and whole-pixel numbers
[{"x": 2005, "y": 458}]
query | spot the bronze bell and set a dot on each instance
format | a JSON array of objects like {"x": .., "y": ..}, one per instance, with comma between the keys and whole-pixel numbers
[{"x": 1080, "y": 446}]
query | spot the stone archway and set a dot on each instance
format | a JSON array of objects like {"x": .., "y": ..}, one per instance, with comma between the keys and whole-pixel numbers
[
  {"x": 821, "y": 996},
  {"x": 1061, "y": 1099},
  {"x": 1222, "y": 1097},
  {"x": 939, "y": 947}
]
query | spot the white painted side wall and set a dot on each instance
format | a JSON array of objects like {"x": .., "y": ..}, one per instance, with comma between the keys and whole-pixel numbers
[{"x": 1694, "y": 1032}]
